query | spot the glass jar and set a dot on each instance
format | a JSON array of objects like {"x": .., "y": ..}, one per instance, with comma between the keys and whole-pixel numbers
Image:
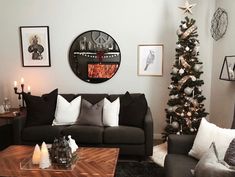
[{"x": 6, "y": 104}]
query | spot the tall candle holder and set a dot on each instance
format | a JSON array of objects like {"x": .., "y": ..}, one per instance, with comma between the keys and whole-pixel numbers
[{"x": 20, "y": 95}]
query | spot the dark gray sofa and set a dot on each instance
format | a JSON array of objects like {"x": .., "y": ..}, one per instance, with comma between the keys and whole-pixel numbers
[
  {"x": 177, "y": 162},
  {"x": 131, "y": 140}
]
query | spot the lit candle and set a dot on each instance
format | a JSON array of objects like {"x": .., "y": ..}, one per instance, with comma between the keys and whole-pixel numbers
[
  {"x": 36, "y": 155},
  {"x": 15, "y": 84},
  {"x": 22, "y": 80},
  {"x": 29, "y": 88}
]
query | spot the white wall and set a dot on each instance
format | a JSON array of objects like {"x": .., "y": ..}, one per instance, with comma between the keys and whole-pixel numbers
[
  {"x": 223, "y": 92},
  {"x": 129, "y": 22}
]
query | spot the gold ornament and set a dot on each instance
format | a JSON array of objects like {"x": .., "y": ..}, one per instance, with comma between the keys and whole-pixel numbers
[
  {"x": 187, "y": 8},
  {"x": 188, "y": 31}
]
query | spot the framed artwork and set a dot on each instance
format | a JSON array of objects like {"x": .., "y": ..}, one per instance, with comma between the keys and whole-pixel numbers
[
  {"x": 150, "y": 60},
  {"x": 35, "y": 46}
]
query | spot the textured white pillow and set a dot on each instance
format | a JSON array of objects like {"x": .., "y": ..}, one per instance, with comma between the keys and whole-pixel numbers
[
  {"x": 111, "y": 112},
  {"x": 208, "y": 133},
  {"x": 66, "y": 113}
]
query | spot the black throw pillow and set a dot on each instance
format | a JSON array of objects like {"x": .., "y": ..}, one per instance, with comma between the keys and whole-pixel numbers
[
  {"x": 229, "y": 157},
  {"x": 132, "y": 110},
  {"x": 40, "y": 110}
]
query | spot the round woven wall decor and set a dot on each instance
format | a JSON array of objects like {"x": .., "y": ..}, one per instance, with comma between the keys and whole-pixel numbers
[{"x": 219, "y": 24}]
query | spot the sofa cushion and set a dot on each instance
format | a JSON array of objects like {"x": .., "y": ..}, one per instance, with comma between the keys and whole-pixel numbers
[
  {"x": 93, "y": 98},
  {"x": 208, "y": 133},
  {"x": 209, "y": 165},
  {"x": 41, "y": 133},
  {"x": 91, "y": 114},
  {"x": 40, "y": 110},
  {"x": 123, "y": 135},
  {"x": 132, "y": 110},
  {"x": 111, "y": 112},
  {"x": 229, "y": 157},
  {"x": 85, "y": 134},
  {"x": 178, "y": 165},
  {"x": 66, "y": 113}
]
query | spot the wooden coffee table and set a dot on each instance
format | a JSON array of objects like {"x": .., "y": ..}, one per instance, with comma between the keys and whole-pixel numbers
[{"x": 100, "y": 162}]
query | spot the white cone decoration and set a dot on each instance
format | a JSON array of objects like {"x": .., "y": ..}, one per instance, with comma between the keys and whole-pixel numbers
[
  {"x": 36, "y": 155},
  {"x": 72, "y": 144},
  {"x": 44, "y": 158}
]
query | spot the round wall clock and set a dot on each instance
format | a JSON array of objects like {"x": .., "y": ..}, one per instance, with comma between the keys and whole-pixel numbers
[
  {"x": 219, "y": 24},
  {"x": 94, "y": 56}
]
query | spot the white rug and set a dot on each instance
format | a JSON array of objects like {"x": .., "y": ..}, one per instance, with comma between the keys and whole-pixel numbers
[{"x": 159, "y": 154}]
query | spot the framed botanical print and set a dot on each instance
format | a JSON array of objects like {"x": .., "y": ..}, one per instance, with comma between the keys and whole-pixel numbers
[
  {"x": 35, "y": 46},
  {"x": 150, "y": 60}
]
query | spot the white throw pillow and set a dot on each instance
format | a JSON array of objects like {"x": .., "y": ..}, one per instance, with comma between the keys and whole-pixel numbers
[
  {"x": 66, "y": 113},
  {"x": 111, "y": 112},
  {"x": 208, "y": 133}
]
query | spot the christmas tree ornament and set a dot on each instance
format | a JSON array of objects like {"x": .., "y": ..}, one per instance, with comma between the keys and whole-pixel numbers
[
  {"x": 179, "y": 32},
  {"x": 170, "y": 119},
  {"x": 175, "y": 125},
  {"x": 188, "y": 90},
  {"x": 197, "y": 67},
  {"x": 178, "y": 133},
  {"x": 178, "y": 46},
  {"x": 175, "y": 70},
  {"x": 189, "y": 114},
  {"x": 193, "y": 78},
  {"x": 171, "y": 86},
  {"x": 187, "y": 48},
  {"x": 170, "y": 109},
  {"x": 182, "y": 114},
  {"x": 184, "y": 26},
  {"x": 181, "y": 71},
  {"x": 191, "y": 130},
  {"x": 187, "y": 8}
]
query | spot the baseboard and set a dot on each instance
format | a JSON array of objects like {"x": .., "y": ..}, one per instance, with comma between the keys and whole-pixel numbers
[{"x": 157, "y": 136}]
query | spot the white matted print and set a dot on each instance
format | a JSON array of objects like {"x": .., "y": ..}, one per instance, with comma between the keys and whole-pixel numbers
[
  {"x": 150, "y": 62},
  {"x": 35, "y": 46}
]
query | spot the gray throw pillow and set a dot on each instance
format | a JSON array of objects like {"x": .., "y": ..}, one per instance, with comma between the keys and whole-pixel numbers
[
  {"x": 229, "y": 157},
  {"x": 209, "y": 166},
  {"x": 91, "y": 114}
]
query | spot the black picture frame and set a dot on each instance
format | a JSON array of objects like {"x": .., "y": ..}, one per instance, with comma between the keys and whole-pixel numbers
[
  {"x": 93, "y": 47},
  {"x": 35, "y": 46}
]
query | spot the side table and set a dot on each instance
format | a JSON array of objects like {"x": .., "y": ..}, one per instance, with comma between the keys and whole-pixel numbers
[{"x": 6, "y": 130}]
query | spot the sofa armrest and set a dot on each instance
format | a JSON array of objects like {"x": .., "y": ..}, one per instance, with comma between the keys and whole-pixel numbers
[
  {"x": 180, "y": 144},
  {"x": 18, "y": 125},
  {"x": 148, "y": 130}
]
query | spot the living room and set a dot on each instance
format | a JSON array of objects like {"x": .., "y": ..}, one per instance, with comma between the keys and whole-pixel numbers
[{"x": 130, "y": 23}]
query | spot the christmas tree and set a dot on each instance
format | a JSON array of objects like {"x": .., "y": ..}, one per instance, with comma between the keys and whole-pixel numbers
[{"x": 185, "y": 108}]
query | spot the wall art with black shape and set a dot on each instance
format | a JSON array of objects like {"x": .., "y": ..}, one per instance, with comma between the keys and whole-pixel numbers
[
  {"x": 35, "y": 46},
  {"x": 94, "y": 56}
]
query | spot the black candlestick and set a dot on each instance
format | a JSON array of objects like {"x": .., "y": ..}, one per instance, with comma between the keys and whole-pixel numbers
[{"x": 20, "y": 96}]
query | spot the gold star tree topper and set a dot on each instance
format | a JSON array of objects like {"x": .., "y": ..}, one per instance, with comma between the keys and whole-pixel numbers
[{"x": 187, "y": 8}]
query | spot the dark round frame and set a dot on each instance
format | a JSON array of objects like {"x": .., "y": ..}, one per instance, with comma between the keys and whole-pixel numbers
[{"x": 94, "y": 56}]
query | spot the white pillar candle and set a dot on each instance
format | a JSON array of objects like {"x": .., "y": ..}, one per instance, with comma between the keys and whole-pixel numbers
[
  {"x": 15, "y": 84},
  {"x": 44, "y": 157},
  {"x": 36, "y": 155}
]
